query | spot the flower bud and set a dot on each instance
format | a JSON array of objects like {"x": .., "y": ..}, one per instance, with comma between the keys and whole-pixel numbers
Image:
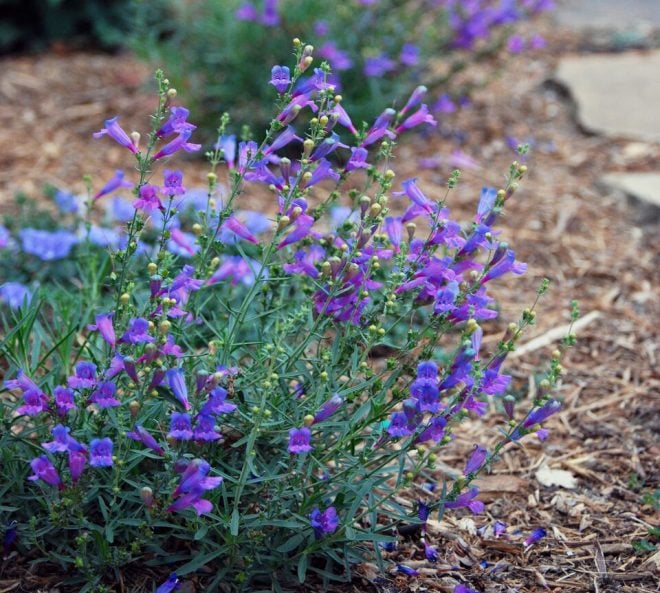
[
  {"x": 411, "y": 227},
  {"x": 215, "y": 262},
  {"x": 164, "y": 326},
  {"x": 135, "y": 137},
  {"x": 308, "y": 146},
  {"x": 375, "y": 210},
  {"x": 134, "y": 408},
  {"x": 152, "y": 268},
  {"x": 212, "y": 177},
  {"x": 283, "y": 222},
  {"x": 171, "y": 93},
  {"x": 323, "y": 120},
  {"x": 124, "y": 298},
  {"x": 306, "y": 63},
  {"x": 197, "y": 229},
  {"x": 147, "y": 496},
  {"x": 308, "y": 420}
]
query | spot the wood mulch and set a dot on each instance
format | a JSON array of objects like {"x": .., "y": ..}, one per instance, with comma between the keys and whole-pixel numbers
[{"x": 594, "y": 248}]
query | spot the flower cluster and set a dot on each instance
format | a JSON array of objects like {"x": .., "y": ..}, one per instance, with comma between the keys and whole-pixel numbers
[{"x": 221, "y": 395}]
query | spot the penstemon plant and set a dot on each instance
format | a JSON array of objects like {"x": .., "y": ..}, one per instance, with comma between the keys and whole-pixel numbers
[{"x": 251, "y": 392}]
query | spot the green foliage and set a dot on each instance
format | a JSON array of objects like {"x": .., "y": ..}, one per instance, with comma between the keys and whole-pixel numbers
[{"x": 35, "y": 24}]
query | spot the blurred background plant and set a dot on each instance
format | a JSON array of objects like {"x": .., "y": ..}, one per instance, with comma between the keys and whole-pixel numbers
[
  {"x": 36, "y": 24},
  {"x": 217, "y": 53}
]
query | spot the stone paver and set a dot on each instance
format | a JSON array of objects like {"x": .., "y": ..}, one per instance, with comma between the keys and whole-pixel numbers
[
  {"x": 644, "y": 188},
  {"x": 614, "y": 15},
  {"x": 616, "y": 94}
]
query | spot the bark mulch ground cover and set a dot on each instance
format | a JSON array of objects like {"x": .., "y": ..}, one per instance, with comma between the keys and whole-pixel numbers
[{"x": 593, "y": 484}]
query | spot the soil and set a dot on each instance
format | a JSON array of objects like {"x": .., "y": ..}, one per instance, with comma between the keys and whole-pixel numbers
[{"x": 594, "y": 247}]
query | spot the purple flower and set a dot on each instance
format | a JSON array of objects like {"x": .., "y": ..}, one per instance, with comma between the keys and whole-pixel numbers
[
  {"x": 104, "y": 327},
  {"x": 171, "y": 584},
  {"x": 270, "y": 17},
  {"x": 77, "y": 461},
  {"x": 114, "y": 183},
  {"x": 137, "y": 332},
  {"x": 342, "y": 118},
  {"x": 409, "y": 55},
  {"x": 499, "y": 527},
  {"x": 323, "y": 171},
  {"x": 66, "y": 202},
  {"x": 515, "y": 44},
  {"x": 100, "y": 452},
  {"x": 176, "y": 379},
  {"x": 430, "y": 553},
  {"x": 63, "y": 442},
  {"x": 216, "y": 403},
  {"x": 173, "y": 183},
  {"x": 300, "y": 440},
  {"x": 247, "y": 12},
  {"x": 537, "y": 42},
  {"x": 378, "y": 66},
  {"x": 64, "y": 400},
  {"x": 328, "y": 408},
  {"x": 104, "y": 396},
  {"x": 205, "y": 429},
  {"x": 415, "y": 99},
  {"x": 179, "y": 143},
  {"x": 403, "y": 569},
  {"x": 476, "y": 460},
  {"x": 435, "y": 431},
  {"x": 180, "y": 427},
  {"x": 227, "y": 145},
  {"x": 542, "y": 414},
  {"x": 141, "y": 434},
  {"x": 338, "y": 59},
  {"x": 280, "y": 78},
  {"x": 326, "y": 147},
  {"x": 324, "y": 522},
  {"x": 238, "y": 228},
  {"x": 115, "y": 131},
  {"x": 467, "y": 499},
  {"x": 463, "y": 589},
  {"x": 44, "y": 470},
  {"x": 194, "y": 482},
  {"x": 444, "y": 104},
  {"x": 421, "y": 116},
  {"x": 176, "y": 121},
  {"x": 535, "y": 536},
  {"x": 15, "y": 294},
  {"x": 357, "y": 160},
  {"x": 148, "y": 200},
  {"x": 35, "y": 402},
  {"x": 380, "y": 128},
  {"x": 85, "y": 376},
  {"x": 45, "y": 245}
]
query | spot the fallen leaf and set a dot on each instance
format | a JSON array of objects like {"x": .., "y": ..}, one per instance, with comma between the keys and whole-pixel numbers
[{"x": 547, "y": 476}]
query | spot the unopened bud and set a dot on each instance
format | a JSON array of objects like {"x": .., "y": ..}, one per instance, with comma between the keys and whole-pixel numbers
[
  {"x": 197, "y": 229},
  {"x": 338, "y": 98},
  {"x": 389, "y": 174},
  {"x": 323, "y": 120},
  {"x": 283, "y": 222},
  {"x": 212, "y": 177},
  {"x": 171, "y": 93},
  {"x": 124, "y": 298},
  {"x": 215, "y": 262},
  {"x": 375, "y": 210},
  {"x": 306, "y": 63},
  {"x": 164, "y": 326},
  {"x": 134, "y": 408},
  {"x": 308, "y": 420},
  {"x": 147, "y": 496},
  {"x": 471, "y": 326},
  {"x": 152, "y": 268},
  {"x": 411, "y": 227},
  {"x": 135, "y": 137}
]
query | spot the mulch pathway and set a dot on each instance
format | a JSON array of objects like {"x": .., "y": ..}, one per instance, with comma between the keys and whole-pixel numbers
[{"x": 592, "y": 246}]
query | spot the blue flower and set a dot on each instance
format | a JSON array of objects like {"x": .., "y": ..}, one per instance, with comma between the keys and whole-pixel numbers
[
  {"x": 15, "y": 294},
  {"x": 46, "y": 245}
]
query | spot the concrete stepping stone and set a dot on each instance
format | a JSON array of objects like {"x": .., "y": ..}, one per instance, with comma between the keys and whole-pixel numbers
[
  {"x": 614, "y": 15},
  {"x": 616, "y": 94},
  {"x": 643, "y": 188}
]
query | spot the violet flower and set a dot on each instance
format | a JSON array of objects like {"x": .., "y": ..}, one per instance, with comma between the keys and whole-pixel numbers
[
  {"x": 113, "y": 184},
  {"x": 46, "y": 245},
  {"x": 176, "y": 379},
  {"x": 270, "y": 17},
  {"x": 104, "y": 396},
  {"x": 180, "y": 427},
  {"x": 467, "y": 500},
  {"x": 179, "y": 143},
  {"x": 15, "y": 294},
  {"x": 173, "y": 183},
  {"x": 216, "y": 403},
  {"x": 139, "y": 433},
  {"x": 62, "y": 442},
  {"x": 421, "y": 116},
  {"x": 171, "y": 584},
  {"x": 238, "y": 228},
  {"x": 324, "y": 522},
  {"x": 148, "y": 200},
  {"x": 100, "y": 452},
  {"x": 44, "y": 470},
  {"x": 64, "y": 400},
  {"x": 535, "y": 536},
  {"x": 194, "y": 482},
  {"x": 35, "y": 402},
  {"x": 85, "y": 376},
  {"x": 357, "y": 160},
  {"x": 415, "y": 99},
  {"x": 77, "y": 461},
  {"x": 378, "y": 66},
  {"x": 403, "y": 569},
  {"x": 137, "y": 332},
  {"x": 328, "y": 408},
  {"x": 176, "y": 121},
  {"x": 476, "y": 460},
  {"x": 227, "y": 146},
  {"x": 409, "y": 55},
  {"x": 300, "y": 440},
  {"x": 115, "y": 131},
  {"x": 205, "y": 429},
  {"x": 280, "y": 78},
  {"x": 430, "y": 553}
]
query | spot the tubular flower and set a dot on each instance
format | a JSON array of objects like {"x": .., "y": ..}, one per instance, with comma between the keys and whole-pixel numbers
[
  {"x": 325, "y": 522},
  {"x": 300, "y": 440},
  {"x": 100, "y": 452},
  {"x": 115, "y": 131},
  {"x": 44, "y": 470},
  {"x": 113, "y": 184}
]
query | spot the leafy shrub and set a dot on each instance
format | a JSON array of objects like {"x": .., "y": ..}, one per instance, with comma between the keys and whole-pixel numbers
[
  {"x": 379, "y": 49},
  {"x": 213, "y": 386},
  {"x": 36, "y": 24}
]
